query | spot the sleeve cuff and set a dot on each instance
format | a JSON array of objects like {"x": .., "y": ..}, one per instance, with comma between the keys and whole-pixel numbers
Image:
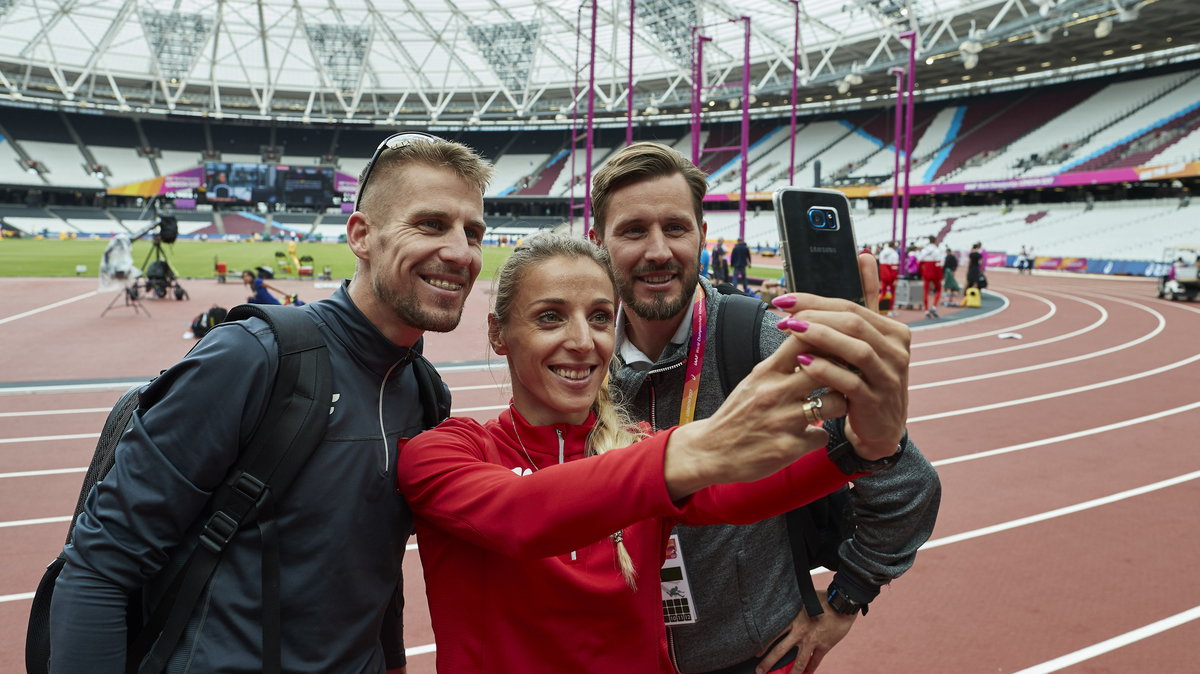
[{"x": 860, "y": 591}]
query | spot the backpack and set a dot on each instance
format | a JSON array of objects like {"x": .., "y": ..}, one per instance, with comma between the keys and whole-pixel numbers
[
  {"x": 207, "y": 321},
  {"x": 816, "y": 530},
  {"x": 293, "y": 424}
]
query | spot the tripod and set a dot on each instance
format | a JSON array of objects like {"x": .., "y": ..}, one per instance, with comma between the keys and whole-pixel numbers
[
  {"x": 157, "y": 274},
  {"x": 130, "y": 295}
]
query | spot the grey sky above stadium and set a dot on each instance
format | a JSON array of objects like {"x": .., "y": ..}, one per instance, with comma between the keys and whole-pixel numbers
[{"x": 493, "y": 62}]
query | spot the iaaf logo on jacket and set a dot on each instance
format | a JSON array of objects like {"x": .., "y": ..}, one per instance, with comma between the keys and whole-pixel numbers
[
  {"x": 336, "y": 397},
  {"x": 518, "y": 471}
]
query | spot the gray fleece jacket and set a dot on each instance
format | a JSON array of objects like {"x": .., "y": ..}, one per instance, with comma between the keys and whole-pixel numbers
[{"x": 742, "y": 577}]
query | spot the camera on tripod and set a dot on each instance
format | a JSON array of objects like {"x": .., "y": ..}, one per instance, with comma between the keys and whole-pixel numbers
[{"x": 157, "y": 272}]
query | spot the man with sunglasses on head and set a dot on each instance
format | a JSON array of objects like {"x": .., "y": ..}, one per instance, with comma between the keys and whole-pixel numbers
[{"x": 416, "y": 231}]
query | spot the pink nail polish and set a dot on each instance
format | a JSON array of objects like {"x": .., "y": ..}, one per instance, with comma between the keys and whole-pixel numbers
[
  {"x": 797, "y": 325},
  {"x": 804, "y": 359},
  {"x": 784, "y": 301}
]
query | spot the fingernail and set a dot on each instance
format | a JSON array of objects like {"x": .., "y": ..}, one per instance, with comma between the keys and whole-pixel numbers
[
  {"x": 784, "y": 301},
  {"x": 804, "y": 359},
  {"x": 783, "y": 324},
  {"x": 797, "y": 325}
]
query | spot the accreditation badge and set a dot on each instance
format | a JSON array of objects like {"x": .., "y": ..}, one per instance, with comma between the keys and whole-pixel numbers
[{"x": 678, "y": 608}]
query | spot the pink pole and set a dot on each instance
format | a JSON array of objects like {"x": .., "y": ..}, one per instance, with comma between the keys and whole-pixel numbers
[
  {"x": 745, "y": 128},
  {"x": 697, "y": 92},
  {"x": 629, "y": 81},
  {"x": 795, "y": 88},
  {"x": 911, "y": 36},
  {"x": 591, "y": 127},
  {"x": 899, "y": 73}
]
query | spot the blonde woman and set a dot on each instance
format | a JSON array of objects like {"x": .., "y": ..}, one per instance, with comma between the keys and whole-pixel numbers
[{"x": 542, "y": 532}]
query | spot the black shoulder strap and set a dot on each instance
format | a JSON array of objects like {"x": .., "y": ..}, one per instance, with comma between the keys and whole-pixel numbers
[
  {"x": 734, "y": 314},
  {"x": 434, "y": 395},
  {"x": 292, "y": 426},
  {"x": 734, "y": 363}
]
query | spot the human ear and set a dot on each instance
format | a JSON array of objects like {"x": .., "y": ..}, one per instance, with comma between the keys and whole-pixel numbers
[
  {"x": 496, "y": 337},
  {"x": 357, "y": 234}
]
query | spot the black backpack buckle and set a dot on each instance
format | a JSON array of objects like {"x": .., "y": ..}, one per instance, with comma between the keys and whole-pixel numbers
[{"x": 218, "y": 531}]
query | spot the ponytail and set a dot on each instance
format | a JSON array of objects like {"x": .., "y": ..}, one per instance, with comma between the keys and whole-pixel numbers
[{"x": 613, "y": 429}]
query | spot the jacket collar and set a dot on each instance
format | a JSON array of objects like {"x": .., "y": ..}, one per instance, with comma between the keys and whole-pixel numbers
[
  {"x": 542, "y": 441},
  {"x": 363, "y": 341}
]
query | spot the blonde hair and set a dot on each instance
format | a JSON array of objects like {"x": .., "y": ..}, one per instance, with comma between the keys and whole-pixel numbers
[
  {"x": 613, "y": 427},
  {"x": 462, "y": 160}
]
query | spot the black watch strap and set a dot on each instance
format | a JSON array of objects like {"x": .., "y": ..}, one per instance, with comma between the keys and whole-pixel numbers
[
  {"x": 840, "y": 602},
  {"x": 841, "y": 451}
]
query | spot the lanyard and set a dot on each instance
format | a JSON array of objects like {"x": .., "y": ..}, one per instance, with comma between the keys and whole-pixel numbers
[{"x": 695, "y": 361}]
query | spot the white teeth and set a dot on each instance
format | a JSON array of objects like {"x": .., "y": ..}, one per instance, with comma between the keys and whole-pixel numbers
[
  {"x": 657, "y": 279},
  {"x": 444, "y": 285},
  {"x": 571, "y": 374}
]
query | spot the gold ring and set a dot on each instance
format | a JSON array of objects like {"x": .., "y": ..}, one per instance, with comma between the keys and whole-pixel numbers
[{"x": 812, "y": 410}]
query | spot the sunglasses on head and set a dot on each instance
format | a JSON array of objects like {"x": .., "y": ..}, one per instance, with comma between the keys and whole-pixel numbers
[{"x": 392, "y": 142}]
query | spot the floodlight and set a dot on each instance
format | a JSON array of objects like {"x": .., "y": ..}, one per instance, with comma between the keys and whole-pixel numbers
[{"x": 1104, "y": 28}]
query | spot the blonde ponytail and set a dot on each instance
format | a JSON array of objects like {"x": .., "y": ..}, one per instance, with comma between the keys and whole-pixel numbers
[{"x": 614, "y": 429}]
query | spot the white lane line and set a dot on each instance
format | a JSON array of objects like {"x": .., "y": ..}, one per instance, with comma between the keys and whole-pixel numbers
[
  {"x": 420, "y": 650},
  {"x": 44, "y": 438},
  {"x": 1114, "y": 643},
  {"x": 1029, "y": 345},
  {"x": 487, "y": 408},
  {"x": 15, "y": 597},
  {"x": 48, "y": 307},
  {"x": 1049, "y": 396},
  {"x": 1012, "y": 328},
  {"x": 1060, "y": 512},
  {"x": 42, "y": 413},
  {"x": 1162, "y": 324},
  {"x": 70, "y": 388},
  {"x": 40, "y": 473},
  {"x": 40, "y": 520},
  {"x": 1068, "y": 436}
]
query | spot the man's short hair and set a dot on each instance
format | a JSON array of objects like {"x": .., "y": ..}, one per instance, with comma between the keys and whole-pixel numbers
[
  {"x": 639, "y": 162},
  {"x": 462, "y": 160}
]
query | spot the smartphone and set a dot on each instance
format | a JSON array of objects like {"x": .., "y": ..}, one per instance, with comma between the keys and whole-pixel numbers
[{"x": 817, "y": 237}]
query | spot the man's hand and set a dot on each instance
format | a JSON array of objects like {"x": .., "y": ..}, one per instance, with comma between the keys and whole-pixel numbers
[
  {"x": 862, "y": 354},
  {"x": 759, "y": 429},
  {"x": 813, "y": 637}
]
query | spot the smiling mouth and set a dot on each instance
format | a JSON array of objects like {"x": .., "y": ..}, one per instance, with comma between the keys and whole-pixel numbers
[
  {"x": 575, "y": 374},
  {"x": 443, "y": 284},
  {"x": 660, "y": 278}
]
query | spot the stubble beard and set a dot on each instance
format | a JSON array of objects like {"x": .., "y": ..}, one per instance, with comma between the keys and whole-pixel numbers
[
  {"x": 659, "y": 307},
  {"x": 412, "y": 313}
]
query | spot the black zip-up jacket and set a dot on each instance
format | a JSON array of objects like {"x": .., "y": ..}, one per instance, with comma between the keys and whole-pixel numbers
[{"x": 342, "y": 526}]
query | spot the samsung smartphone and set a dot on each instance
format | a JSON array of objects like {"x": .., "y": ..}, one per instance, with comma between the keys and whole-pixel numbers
[{"x": 818, "y": 243}]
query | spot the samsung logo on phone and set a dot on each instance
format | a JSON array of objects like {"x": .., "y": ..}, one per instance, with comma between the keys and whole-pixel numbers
[{"x": 822, "y": 249}]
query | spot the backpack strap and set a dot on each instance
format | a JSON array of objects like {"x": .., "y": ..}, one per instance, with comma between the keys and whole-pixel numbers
[
  {"x": 292, "y": 426},
  {"x": 734, "y": 363},
  {"x": 735, "y": 313},
  {"x": 433, "y": 392}
]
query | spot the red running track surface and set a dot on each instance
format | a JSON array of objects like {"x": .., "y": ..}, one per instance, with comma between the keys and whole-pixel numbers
[{"x": 1067, "y": 536}]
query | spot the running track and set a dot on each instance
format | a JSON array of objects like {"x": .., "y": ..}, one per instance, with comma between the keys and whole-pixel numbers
[{"x": 1068, "y": 531}]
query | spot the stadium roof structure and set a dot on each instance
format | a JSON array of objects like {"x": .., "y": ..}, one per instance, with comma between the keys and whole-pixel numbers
[{"x": 496, "y": 63}]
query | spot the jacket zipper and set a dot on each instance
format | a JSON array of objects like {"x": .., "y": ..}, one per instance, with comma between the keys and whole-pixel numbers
[
  {"x": 382, "y": 388},
  {"x": 561, "y": 458},
  {"x": 671, "y": 650}
]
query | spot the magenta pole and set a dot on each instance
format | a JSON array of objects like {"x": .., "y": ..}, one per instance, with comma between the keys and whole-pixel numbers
[
  {"x": 795, "y": 91},
  {"x": 591, "y": 127},
  {"x": 911, "y": 36},
  {"x": 745, "y": 128},
  {"x": 899, "y": 73},
  {"x": 697, "y": 92},
  {"x": 629, "y": 81}
]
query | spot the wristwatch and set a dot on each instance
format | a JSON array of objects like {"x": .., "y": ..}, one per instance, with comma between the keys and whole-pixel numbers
[
  {"x": 842, "y": 453},
  {"x": 838, "y": 601}
]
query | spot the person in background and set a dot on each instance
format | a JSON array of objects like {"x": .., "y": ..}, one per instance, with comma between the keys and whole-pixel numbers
[
  {"x": 949, "y": 283},
  {"x": 648, "y": 206},
  {"x": 889, "y": 272},
  {"x": 931, "y": 277},
  {"x": 739, "y": 259},
  {"x": 342, "y": 529},
  {"x": 541, "y": 534},
  {"x": 705, "y": 259},
  {"x": 975, "y": 265},
  {"x": 720, "y": 263}
]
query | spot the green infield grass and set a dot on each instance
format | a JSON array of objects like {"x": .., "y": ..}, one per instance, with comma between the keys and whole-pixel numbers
[{"x": 197, "y": 259}]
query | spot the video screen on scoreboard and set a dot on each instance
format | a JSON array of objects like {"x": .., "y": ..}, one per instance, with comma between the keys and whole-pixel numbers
[{"x": 234, "y": 183}]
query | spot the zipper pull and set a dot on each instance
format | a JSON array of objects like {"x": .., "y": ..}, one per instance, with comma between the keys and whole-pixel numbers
[{"x": 561, "y": 457}]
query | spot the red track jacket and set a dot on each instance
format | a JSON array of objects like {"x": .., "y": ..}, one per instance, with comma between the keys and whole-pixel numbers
[{"x": 520, "y": 569}]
